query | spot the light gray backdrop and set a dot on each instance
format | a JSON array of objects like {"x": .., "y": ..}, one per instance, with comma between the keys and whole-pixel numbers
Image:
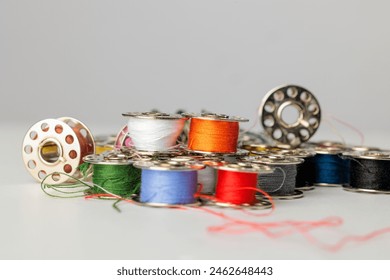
[{"x": 94, "y": 60}]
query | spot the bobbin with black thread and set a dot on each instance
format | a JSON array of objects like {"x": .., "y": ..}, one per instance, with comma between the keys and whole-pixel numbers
[
  {"x": 303, "y": 102},
  {"x": 331, "y": 168},
  {"x": 55, "y": 146},
  {"x": 305, "y": 171},
  {"x": 369, "y": 172},
  {"x": 215, "y": 118},
  {"x": 284, "y": 187},
  {"x": 166, "y": 143},
  {"x": 243, "y": 167},
  {"x": 114, "y": 158},
  {"x": 181, "y": 164}
]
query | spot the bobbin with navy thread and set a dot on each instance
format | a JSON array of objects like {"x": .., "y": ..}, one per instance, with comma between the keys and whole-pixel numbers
[
  {"x": 331, "y": 168},
  {"x": 369, "y": 172},
  {"x": 154, "y": 131},
  {"x": 168, "y": 183},
  {"x": 281, "y": 184},
  {"x": 305, "y": 171},
  {"x": 55, "y": 146},
  {"x": 244, "y": 170},
  {"x": 284, "y": 131},
  {"x": 213, "y": 133}
]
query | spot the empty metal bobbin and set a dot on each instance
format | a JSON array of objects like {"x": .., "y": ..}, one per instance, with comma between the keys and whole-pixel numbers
[
  {"x": 290, "y": 114},
  {"x": 55, "y": 146}
]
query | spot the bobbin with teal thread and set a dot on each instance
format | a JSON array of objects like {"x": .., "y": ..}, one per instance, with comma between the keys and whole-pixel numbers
[
  {"x": 114, "y": 173},
  {"x": 281, "y": 184},
  {"x": 331, "y": 168},
  {"x": 167, "y": 183}
]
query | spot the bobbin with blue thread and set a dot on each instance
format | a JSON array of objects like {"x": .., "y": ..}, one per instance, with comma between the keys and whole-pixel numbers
[
  {"x": 195, "y": 140},
  {"x": 281, "y": 184},
  {"x": 154, "y": 131},
  {"x": 247, "y": 168},
  {"x": 272, "y": 114},
  {"x": 331, "y": 168},
  {"x": 369, "y": 172},
  {"x": 55, "y": 146},
  {"x": 168, "y": 183},
  {"x": 115, "y": 158},
  {"x": 305, "y": 171}
]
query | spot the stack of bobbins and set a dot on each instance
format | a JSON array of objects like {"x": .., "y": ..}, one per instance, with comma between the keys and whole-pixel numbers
[
  {"x": 169, "y": 183},
  {"x": 213, "y": 133},
  {"x": 153, "y": 132},
  {"x": 369, "y": 172},
  {"x": 236, "y": 186},
  {"x": 114, "y": 172},
  {"x": 305, "y": 171},
  {"x": 55, "y": 146},
  {"x": 331, "y": 168},
  {"x": 281, "y": 184}
]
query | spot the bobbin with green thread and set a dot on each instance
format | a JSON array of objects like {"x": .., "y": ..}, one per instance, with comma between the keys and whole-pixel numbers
[{"x": 114, "y": 173}]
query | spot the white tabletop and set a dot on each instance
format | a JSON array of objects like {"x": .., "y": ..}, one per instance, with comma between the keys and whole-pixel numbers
[{"x": 36, "y": 226}]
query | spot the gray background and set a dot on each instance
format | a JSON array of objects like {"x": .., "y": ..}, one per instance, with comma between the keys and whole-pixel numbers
[{"x": 93, "y": 60}]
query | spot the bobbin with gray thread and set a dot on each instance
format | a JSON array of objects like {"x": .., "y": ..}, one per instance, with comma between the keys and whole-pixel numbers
[
  {"x": 306, "y": 170},
  {"x": 244, "y": 167},
  {"x": 276, "y": 161},
  {"x": 183, "y": 164},
  {"x": 55, "y": 146},
  {"x": 356, "y": 159},
  {"x": 289, "y": 97}
]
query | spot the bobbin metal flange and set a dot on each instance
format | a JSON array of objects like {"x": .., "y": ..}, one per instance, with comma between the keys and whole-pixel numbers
[
  {"x": 181, "y": 164},
  {"x": 114, "y": 157},
  {"x": 245, "y": 167},
  {"x": 290, "y": 96},
  {"x": 153, "y": 115},
  {"x": 55, "y": 146},
  {"x": 260, "y": 204},
  {"x": 273, "y": 159},
  {"x": 215, "y": 117}
]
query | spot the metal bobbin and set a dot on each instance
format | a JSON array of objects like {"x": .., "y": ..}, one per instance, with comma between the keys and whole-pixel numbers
[
  {"x": 378, "y": 155},
  {"x": 153, "y": 115},
  {"x": 290, "y": 97},
  {"x": 272, "y": 160},
  {"x": 56, "y": 146},
  {"x": 123, "y": 139},
  {"x": 244, "y": 167},
  {"x": 114, "y": 157}
]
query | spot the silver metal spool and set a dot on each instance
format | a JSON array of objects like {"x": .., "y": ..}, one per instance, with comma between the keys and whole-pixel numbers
[
  {"x": 55, "y": 146},
  {"x": 136, "y": 200},
  {"x": 153, "y": 115},
  {"x": 273, "y": 159},
  {"x": 215, "y": 117},
  {"x": 260, "y": 204},
  {"x": 114, "y": 157},
  {"x": 289, "y": 97},
  {"x": 170, "y": 165}
]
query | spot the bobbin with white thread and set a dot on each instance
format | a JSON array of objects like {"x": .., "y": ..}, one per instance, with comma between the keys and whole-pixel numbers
[
  {"x": 242, "y": 167},
  {"x": 275, "y": 160},
  {"x": 368, "y": 155},
  {"x": 53, "y": 146},
  {"x": 183, "y": 164},
  {"x": 162, "y": 129},
  {"x": 217, "y": 118},
  {"x": 284, "y": 131}
]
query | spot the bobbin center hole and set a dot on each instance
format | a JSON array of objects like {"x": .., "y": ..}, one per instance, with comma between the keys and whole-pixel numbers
[
  {"x": 50, "y": 151},
  {"x": 290, "y": 114}
]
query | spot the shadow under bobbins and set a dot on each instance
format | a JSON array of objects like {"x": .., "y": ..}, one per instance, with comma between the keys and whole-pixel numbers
[
  {"x": 213, "y": 133},
  {"x": 56, "y": 146},
  {"x": 276, "y": 107},
  {"x": 369, "y": 172}
]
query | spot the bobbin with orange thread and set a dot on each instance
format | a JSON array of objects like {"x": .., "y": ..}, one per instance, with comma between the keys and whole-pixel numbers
[
  {"x": 55, "y": 146},
  {"x": 213, "y": 133},
  {"x": 236, "y": 183}
]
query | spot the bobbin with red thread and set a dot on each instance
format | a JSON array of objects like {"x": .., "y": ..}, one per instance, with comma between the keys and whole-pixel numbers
[
  {"x": 55, "y": 146},
  {"x": 236, "y": 186},
  {"x": 213, "y": 133}
]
